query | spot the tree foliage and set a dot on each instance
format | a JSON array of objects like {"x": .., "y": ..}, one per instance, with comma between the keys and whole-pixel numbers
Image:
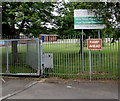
[
  {"x": 26, "y": 17},
  {"x": 29, "y": 17},
  {"x": 109, "y": 12}
]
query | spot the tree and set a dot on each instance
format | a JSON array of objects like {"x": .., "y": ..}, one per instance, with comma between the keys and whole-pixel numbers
[
  {"x": 110, "y": 13},
  {"x": 108, "y": 10},
  {"x": 66, "y": 20},
  {"x": 25, "y": 17},
  {"x": 0, "y": 20}
]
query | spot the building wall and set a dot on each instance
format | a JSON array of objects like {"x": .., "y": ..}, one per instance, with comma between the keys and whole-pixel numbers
[
  {"x": 52, "y": 38},
  {"x": 45, "y": 38},
  {"x": 49, "y": 38}
]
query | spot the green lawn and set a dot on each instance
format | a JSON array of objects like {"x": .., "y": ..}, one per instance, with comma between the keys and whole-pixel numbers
[
  {"x": 19, "y": 67},
  {"x": 68, "y": 61}
]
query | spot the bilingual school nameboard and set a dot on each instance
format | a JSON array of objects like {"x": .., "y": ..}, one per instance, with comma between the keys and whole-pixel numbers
[{"x": 86, "y": 19}]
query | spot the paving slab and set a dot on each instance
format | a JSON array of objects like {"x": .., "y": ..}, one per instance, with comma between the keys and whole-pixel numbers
[{"x": 10, "y": 86}]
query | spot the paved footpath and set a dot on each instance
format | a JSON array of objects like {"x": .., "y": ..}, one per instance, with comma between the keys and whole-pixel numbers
[{"x": 39, "y": 89}]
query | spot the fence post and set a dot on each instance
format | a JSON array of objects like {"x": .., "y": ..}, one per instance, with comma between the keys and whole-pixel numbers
[
  {"x": 38, "y": 42},
  {"x": 41, "y": 54}
]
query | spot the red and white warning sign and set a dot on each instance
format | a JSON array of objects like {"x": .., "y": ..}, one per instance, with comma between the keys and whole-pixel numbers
[{"x": 95, "y": 44}]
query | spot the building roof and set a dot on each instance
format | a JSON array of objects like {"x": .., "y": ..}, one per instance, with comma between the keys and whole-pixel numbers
[{"x": 48, "y": 35}]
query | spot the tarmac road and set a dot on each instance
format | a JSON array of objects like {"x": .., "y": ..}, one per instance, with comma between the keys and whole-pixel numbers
[{"x": 44, "y": 90}]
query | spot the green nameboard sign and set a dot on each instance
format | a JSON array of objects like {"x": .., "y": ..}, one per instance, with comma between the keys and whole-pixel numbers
[{"x": 84, "y": 19}]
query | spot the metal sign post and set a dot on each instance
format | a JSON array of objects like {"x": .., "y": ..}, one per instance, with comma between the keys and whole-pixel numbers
[
  {"x": 93, "y": 44},
  {"x": 82, "y": 53},
  {"x": 90, "y": 63}
]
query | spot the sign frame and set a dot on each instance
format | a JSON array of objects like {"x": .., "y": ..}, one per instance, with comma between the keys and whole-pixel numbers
[
  {"x": 86, "y": 19},
  {"x": 100, "y": 40}
]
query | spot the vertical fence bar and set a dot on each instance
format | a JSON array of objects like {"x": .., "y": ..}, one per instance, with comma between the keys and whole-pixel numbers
[
  {"x": 82, "y": 52},
  {"x": 7, "y": 69},
  {"x": 108, "y": 64},
  {"x": 117, "y": 67},
  {"x": 99, "y": 64},
  {"x": 19, "y": 64},
  {"x": 90, "y": 65},
  {"x": 70, "y": 65},
  {"x": 74, "y": 61},
  {"x": 63, "y": 54},
  {"x": 78, "y": 61},
  {"x": 118, "y": 59}
]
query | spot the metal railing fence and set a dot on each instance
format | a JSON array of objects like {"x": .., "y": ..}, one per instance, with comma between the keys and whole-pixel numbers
[
  {"x": 65, "y": 57},
  {"x": 69, "y": 62}
]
